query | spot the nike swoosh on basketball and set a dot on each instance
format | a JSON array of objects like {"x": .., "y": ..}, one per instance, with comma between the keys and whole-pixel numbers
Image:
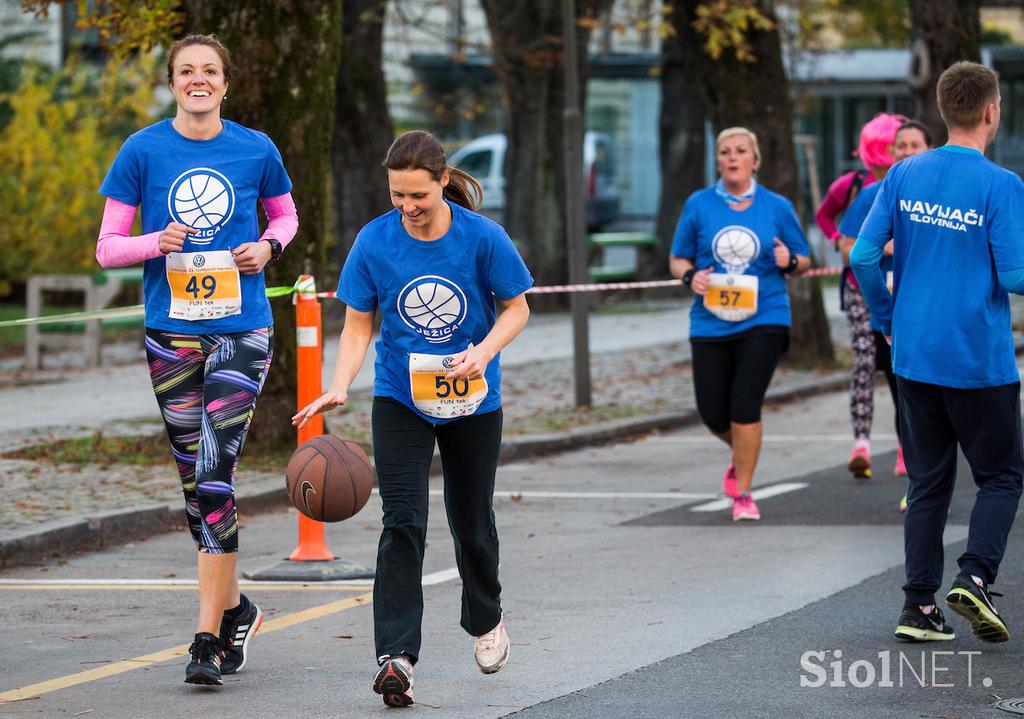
[{"x": 306, "y": 488}]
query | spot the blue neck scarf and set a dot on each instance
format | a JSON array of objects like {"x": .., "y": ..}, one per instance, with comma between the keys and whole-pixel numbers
[{"x": 734, "y": 199}]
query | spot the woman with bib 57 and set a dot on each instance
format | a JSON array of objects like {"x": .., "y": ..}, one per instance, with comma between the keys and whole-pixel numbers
[{"x": 734, "y": 245}]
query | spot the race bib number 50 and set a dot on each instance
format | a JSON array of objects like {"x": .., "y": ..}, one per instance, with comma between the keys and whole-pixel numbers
[
  {"x": 730, "y": 297},
  {"x": 204, "y": 285},
  {"x": 437, "y": 396}
]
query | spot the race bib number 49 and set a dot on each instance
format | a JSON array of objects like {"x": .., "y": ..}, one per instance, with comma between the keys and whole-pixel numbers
[
  {"x": 732, "y": 298},
  {"x": 437, "y": 396},
  {"x": 204, "y": 285}
]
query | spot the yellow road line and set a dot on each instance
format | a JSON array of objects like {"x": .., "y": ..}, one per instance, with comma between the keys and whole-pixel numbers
[
  {"x": 181, "y": 587},
  {"x": 272, "y": 625}
]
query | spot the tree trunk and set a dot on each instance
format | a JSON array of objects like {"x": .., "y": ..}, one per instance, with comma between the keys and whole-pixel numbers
[
  {"x": 944, "y": 32},
  {"x": 681, "y": 131},
  {"x": 362, "y": 126},
  {"x": 285, "y": 54},
  {"x": 756, "y": 95},
  {"x": 526, "y": 36}
]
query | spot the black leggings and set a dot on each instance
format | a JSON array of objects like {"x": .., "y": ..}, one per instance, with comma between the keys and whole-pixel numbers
[
  {"x": 731, "y": 376},
  {"x": 403, "y": 446}
]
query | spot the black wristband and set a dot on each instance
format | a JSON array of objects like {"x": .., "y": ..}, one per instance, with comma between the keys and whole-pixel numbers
[
  {"x": 687, "y": 278},
  {"x": 793, "y": 262},
  {"x": 275, "y": 248}
]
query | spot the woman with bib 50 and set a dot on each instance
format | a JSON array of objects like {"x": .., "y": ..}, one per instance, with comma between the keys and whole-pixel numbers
[
  {"x": 209, "y": 330},
  {"x": 734, "y": 245},
  {"x": 436, "y": 271}
]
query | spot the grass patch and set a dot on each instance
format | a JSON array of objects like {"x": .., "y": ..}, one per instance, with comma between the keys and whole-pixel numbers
[{"x": 137, "y": 450}]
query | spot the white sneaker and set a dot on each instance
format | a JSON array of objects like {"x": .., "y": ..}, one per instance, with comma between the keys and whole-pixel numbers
[{"x": 491, "y": 650}]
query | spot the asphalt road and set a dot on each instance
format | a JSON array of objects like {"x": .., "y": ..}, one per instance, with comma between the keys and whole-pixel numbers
[{"x": 626, "y": 592}]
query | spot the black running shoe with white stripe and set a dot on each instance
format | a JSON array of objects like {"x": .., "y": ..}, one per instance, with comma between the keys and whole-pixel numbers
[
  {"x": 205, "y": 665},
  {"x": 916, "y": 626},
  {"x": 235, "y": 635},
  {"x": 974, "y": 603}
]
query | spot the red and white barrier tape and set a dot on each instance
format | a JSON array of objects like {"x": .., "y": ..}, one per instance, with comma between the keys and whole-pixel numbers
[
  {"x": 822, "y": 272},
  {"x": 646, "y": 285}
]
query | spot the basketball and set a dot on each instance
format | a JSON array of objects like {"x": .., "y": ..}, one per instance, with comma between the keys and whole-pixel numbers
[{"x": 329, "y": 478}]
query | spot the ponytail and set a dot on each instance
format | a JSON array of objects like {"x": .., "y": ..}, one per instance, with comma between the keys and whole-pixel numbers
[{"x": 463, "y": 189}]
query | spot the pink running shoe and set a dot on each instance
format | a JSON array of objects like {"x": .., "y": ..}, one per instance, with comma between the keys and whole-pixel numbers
[
  {"x": 744, "y": 509},
  {"x": 900, "y": 470},
  {"x": 860, "y": 462},
  {"x": 730, "y": 485}
]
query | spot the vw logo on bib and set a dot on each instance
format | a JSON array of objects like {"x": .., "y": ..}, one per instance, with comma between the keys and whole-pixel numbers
[
  {"x": 202, "y": 199},
  {"x": 433, "y": 306}
]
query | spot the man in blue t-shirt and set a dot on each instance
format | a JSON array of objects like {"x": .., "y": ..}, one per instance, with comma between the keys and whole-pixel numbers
[{"x": 957, "y": 223}]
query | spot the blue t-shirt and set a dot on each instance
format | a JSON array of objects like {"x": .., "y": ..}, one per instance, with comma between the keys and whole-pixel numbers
[
  {"x": 470, "y": 265},
  {"x": 209, "y": 185},
  {"x": 713, "y": 234},
  {"x": 850, "y": 227},
  {"x": 956, "y": 219}
]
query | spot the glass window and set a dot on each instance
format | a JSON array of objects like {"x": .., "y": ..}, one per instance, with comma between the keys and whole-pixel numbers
[{"x": 477, "y": 164}]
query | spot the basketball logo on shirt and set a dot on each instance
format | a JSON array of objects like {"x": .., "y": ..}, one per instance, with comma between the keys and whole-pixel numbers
[
  {"x": 433, "y": 306},
  {"x": 202, "y": 199},
  {"x": 735, "y": 248}
]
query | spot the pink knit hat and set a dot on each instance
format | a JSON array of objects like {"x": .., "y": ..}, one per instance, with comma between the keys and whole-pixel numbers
[{"x": 876, "y": 139}]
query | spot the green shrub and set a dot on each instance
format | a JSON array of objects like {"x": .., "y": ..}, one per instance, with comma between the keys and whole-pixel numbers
[{"x": 65, "y": 129}]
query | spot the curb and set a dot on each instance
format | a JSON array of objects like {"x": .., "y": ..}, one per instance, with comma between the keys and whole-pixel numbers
[{"x": 62, "y": 537}]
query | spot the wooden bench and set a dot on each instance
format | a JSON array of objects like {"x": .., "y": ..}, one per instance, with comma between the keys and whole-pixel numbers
[
  {"x": 608, "y": 272},
  {"x": 98, "y": 291}
]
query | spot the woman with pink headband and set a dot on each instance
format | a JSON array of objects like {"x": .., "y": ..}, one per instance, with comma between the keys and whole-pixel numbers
[{"x": 876, "y": 152}]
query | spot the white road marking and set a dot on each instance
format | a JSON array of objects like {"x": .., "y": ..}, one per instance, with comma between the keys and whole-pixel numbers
[
  {"x": 535, "y": 494},
  {"x": 445, "y": 575},
  {"x": 770, "y": 491},
  {"x": 841, "y": 438}
]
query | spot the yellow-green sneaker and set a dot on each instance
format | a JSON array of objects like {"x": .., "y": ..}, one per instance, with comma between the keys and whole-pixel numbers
[{"x": 972, "y": 601}]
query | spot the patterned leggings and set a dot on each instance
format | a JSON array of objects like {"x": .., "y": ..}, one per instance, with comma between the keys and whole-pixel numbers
[
  {"x": 207, "y": 386},
  {"x": 865, "y": 364}
]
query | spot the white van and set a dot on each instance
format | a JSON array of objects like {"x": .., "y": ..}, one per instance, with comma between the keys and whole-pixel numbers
[{"x": 484, "y": 159}]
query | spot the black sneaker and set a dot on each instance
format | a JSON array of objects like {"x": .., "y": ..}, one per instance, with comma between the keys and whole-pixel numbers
[
  {"x": 205, "y": 665},
  {"x": 969, "y": 600},
  {"x": 394, "y": 681},
  {"x": 235, "y": 634},
  {"x": 916, "y": 626}
]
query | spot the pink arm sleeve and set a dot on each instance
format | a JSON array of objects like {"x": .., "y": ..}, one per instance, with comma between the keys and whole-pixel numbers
[
  {"x": 833, "y": 204},
  {"x": 115, "y": 247},
  {"x": 282, "y": 218}
]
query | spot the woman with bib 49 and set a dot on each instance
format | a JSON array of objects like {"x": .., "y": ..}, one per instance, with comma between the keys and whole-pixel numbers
[
  {"x": 734, "y": 245},
  {"x": 450, "y": 287},
  {"x": 209, "y": 330}
]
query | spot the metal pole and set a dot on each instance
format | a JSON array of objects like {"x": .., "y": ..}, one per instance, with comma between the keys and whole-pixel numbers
[{"x": 574, "y": 224}]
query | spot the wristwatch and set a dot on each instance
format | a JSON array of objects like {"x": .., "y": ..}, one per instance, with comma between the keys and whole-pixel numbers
[
  {"x": 687, "y": 278},
  {"x": 275, "y": 248}
]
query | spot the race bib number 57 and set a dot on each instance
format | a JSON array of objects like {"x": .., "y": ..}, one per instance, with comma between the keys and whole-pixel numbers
[
  {"x": 730, "y": 297},
  {"x": 435, "y": 395},
  {"x": 204, "y": 285}
]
